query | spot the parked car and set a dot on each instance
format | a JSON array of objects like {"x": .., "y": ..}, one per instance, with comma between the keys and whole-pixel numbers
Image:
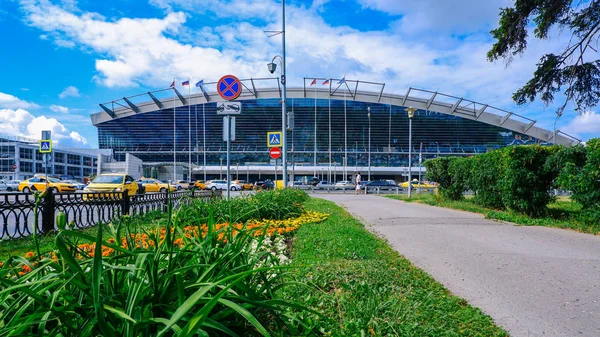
[
  {"x": 113, "y": 182},
  {"x": 200, "y": 184},
  {"x": 216, "y": 185},
  {"x": 415, "y": 184},
  {"x": 235, "y": 186},
  {"x": 155, "y": 185},
  {"x": 382, "y": 184},
  {"x": 265, "y": 185},
  {"x": 78, "y": 185},
  {"x": 183, "y": 184},
  {"x": 8, "y": 186},
  {"x": 344, "y": 185},
  {"x": 245, "y": 185},
  {"x": 323, "y": 185},
  {"x": 41, "y": 183}
]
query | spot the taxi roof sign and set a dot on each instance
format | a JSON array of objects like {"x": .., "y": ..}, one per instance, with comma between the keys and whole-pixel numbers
[
  {"x": 274, "y": 139},
  {"x": 45, "y": 146}
]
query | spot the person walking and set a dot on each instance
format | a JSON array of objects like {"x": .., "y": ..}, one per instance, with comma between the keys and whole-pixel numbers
[{"x": 357, "y": 181}]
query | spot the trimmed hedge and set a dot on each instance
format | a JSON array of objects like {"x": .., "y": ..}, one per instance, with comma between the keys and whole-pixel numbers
[{"x": 486, "y": 173}]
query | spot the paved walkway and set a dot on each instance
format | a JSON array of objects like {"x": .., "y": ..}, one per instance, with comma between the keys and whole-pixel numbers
[{"x": 533, "y": 281}]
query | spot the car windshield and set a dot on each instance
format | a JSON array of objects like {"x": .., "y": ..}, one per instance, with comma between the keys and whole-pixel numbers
[
  {"x": 109, "y": 180},
  {"x": 54, "y": 180}
]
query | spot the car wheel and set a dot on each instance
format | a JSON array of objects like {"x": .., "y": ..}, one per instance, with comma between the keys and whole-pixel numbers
[
  {"x": 9, "y": 189},
  {"x": 179, "y": 188},
  {"x": 214, "y": 188},
  {"x": 26, "y": 190},
  {"x": 163, "y": 190},
  {"x": 233, "y": 188}
]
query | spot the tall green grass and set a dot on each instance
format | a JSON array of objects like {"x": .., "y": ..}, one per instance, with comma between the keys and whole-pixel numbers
[{"x": 210, "y": 286}]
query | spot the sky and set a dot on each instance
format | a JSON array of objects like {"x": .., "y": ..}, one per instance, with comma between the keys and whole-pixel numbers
[{"x": 62, "y": 58}]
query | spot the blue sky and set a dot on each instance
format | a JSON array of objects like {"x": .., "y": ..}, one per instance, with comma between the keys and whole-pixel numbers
[{"x": 62, "y": 58}]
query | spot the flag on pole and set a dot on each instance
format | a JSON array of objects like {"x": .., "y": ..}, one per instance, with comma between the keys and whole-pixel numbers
[
  {"x": 342, "y": 81},
  {"x": 200, "y": 83},
  {"x": 172, "y": 84},
  {"x": 313, "y": 82},
  {"x": 184, "y": 83},
  {"x": 325, "y": 82}
]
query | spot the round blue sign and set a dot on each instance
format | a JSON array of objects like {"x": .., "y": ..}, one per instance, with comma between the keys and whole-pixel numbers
[{"x": 229, "y": 87}]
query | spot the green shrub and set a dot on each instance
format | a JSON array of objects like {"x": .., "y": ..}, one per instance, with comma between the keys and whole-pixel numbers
[
  {"x": 584, "y": 181},
  {"x": 450, "y": 183},
  {"x": 525, "y": 182},
  {"x": 460, "y": 171},
  {"x": 487, "y": 170}
]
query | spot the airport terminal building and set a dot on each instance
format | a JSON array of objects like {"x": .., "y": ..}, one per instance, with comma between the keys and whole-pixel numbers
[{"x": 337, "y": 129}]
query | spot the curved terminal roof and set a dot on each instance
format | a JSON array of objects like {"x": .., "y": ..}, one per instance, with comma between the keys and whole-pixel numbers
[{"x": 265, "y": 88}]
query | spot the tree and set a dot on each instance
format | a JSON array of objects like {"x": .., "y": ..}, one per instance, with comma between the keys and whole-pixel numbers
[{"x": 575, "y": 68}]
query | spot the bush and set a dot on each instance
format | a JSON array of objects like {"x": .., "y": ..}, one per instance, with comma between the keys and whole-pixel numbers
[
  {"x": 460, "y": 171},
  {"x": 452, "y": 175},
  {"x": 584, "y": 181},
  {"x": 437, "y": 170},
  {"x": 487, "y": 169},
  {"x": 525, "y": 182}
]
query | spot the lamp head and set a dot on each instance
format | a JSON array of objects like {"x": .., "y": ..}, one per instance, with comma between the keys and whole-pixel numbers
[
  {"x": 369, "y": 112},
  {"x": 272, "y": 67},
  {"x": 411, "y": 111}
]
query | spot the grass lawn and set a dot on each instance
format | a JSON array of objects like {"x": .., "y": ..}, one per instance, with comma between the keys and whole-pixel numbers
[
  {"x": 368, "y": 289},
  {"x": 561, "y": 214}
]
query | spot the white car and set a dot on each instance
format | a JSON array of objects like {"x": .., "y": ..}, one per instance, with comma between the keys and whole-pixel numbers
[
  {"x": 344, "y": 185},
  {"x": 78, "y": 185},
  {"x": 9, "y": 185},
  {"x": 216, "y": 185},
  {"x": 235, "y": 186}
]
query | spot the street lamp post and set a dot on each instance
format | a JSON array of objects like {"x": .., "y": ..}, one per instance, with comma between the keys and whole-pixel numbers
[
  {"x": 411, "y": 113},
  {"x": 221, "y": 169},
  {"x": 272, "y": 67},
  {"x": 369, "y": 164}
]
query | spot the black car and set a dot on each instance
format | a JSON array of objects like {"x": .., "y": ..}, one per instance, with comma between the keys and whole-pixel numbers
[
  {"x": 382, "y": 184},
  {"x": 265, "y": 185}
]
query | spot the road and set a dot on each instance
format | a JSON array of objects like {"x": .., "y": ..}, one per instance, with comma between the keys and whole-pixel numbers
[{"x": 533, "y": 281}]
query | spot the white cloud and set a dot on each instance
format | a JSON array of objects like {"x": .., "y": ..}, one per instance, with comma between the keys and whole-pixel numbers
[
  {"x": 12, "y": 102},
  {"x": 586, "y": 125},
  {"x": 78, "y": 138},
  {"x": 22, "y": 123},
  {"x": 59, "y": 108},
  {"x": 70, "y": 91}
]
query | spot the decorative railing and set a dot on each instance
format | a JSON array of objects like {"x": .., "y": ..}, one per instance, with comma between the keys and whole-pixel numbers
[{"x": 83, "y": 210}]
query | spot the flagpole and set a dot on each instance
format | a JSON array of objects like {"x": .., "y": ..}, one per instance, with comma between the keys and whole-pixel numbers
[
  {"x": 174, "y": 136},
  {"x": 345, "y": 138},
  {"x": 204, "y": 136},
  {"x": 189, "y": 130},
  {"x": 420, "y": 158},
  {"x": 329, "y": 95},
  {"x": 196, "y": 129},
  {"x": 315, "y": 156}
]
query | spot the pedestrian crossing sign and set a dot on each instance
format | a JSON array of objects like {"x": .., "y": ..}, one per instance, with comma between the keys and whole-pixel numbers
[
  {"x": 274, "y": 139},
  {"x": 45, "y": 146}
]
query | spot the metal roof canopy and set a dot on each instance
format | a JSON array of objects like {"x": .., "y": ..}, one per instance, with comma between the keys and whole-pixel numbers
[{"x": 262, "y": 88}]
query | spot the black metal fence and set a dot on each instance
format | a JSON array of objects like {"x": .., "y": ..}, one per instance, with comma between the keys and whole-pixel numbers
[{"x": 18, "y": 214}]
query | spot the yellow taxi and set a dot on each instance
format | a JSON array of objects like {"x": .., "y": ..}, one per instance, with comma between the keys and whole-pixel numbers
[
  {"x": 200, "y": 184},
  {"x": 415, "y": 184},
  {"x": 154, "y": 185},
  {"x": 245, "y": 185},
  {"x": 40, "y": 183},
  {"x": 112, "y": 183}
]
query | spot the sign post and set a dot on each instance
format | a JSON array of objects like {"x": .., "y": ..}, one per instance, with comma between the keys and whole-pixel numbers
[
  {"x": 229, "y": 88},
  {"x": 46, "y": 149}
]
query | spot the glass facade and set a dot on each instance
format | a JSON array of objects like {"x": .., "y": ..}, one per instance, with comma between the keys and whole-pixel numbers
[{"x": 342, "y": 127}]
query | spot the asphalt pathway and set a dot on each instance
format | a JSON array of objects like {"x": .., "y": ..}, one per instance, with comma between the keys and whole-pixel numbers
[{"x": 533, "y": 281}]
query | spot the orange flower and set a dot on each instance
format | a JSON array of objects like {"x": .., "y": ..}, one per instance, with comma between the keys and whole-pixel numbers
[
  {"x": 25, "y": 268},
  {"x": 29, "y": 255}
]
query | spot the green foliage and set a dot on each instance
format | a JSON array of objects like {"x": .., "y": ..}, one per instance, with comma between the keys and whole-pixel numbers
[
  {"x": 452, "y": 175},
  {"x": 487, "y": 170},
  {"x": 524, "y": 182},
  {"x": 563, "y": 155},
  {"x": 204, "y": 287},
  {"x": 271, "y": 205},
  {"x": 584, "y": 181},
  {"x": 368, "y": 289},
  {"x": 554, "y": 71}
]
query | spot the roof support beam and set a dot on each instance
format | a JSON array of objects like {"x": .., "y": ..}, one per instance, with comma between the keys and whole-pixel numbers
[
  {"x": 480, "y": 111},
  {"x": 108, "y": 111},
  {"x": 431, "y": 100},
  {"x": 156, "y": 101},
  {"x": 131, "y": 105},
  {"x": 181, "y": 98},
  {"x": 206, "y": 97},
  {"x": 455, "y": 106},
  {"x": 380, "y": 93},
  {"x": 406, "y": 96},
  {"x": 505, "y": 118},
  {"x": 528, "y": 126}
]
